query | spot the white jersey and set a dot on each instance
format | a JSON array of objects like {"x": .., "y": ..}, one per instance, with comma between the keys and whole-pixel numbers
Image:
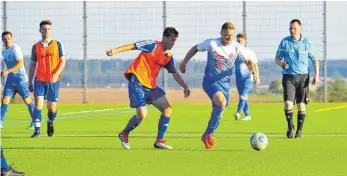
[
  {"x": 220, "y": 60},
  {"x": 11, "y": 57},
  {"x": 241, "y": 69}
]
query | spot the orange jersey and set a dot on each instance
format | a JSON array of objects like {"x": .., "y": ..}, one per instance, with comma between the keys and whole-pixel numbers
[
  {"x": 48, "y": 60},
  {"x": 149, "y": 62}
]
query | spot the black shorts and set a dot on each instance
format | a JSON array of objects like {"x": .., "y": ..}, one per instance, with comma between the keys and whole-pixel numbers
[{"x": 296, "y": 88}]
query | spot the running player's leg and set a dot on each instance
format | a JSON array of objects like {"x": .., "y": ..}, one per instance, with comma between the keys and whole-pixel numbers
[
  {"x": 52, "y": 100},
  {"x": 288, "y": 84},
  {"x": 137, "y": 97},
  {"x": 23, "y": 91},
  {"x": 8, "y": 93},
  {"x": 162, "y": 104},
  {"x": 40, "y": 90},
  {"x": 302, "y": 100}
]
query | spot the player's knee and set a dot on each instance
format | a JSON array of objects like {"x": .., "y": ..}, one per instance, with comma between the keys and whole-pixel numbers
[
  {"x": 167, "y": 112},
  {"x": 27, "y": 100},
  {"x": 288, "y": 105},
  {"x": 243, "y": 97},
  {"x": 6, "y": 100},
  {"x": 302, "y": 107},
  {"x": 39, "y": 102},
  {"x": 142, "y": 115}
]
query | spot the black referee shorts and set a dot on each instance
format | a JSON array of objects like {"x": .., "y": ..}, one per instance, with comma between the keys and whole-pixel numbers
[{"x": 296, "y": 88}]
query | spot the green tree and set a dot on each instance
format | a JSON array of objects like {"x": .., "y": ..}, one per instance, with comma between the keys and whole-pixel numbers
[{"x": 276, "y": 87}]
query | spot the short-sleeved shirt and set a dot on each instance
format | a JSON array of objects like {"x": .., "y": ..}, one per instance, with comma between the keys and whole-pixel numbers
[
  {"x": 220, "y": 60},
  {"x": 296, "y": 54},
  {"x": 11, "y": 57},
  {"x": 241, "y": 69},
  {"x": 149, "y": 62}
]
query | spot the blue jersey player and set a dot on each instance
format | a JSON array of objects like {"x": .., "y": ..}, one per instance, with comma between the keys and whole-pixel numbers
[
  {"x": 17, "y": 79},
  {"x": 244, "y": 79},
  {"x": 221, "y": 55}
]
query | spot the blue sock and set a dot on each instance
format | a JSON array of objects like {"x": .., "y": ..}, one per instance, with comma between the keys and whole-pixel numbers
[
  {"x": 246, "y": 109},
  {"x": 162, "y": 126},
  {"x": 31, "y": 107},
  {"x": 241, "y": 105},
  {"x": 132, "y": 124},
  {"x": 52, "y": 116},
  {"x": 214, "y": 131},
  {"x": 214, "y": 121},
  {"x": 4, "y": 108},
  {"x": 4, "y": 164},
  {"x": 37, "y": 117}
]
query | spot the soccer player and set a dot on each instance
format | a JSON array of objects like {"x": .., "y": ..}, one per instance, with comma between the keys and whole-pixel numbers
[
  {"x": 7, "y": 170},
  {"x": 221, "y": 55},
  {"x": 17, "y": 79},
  {"x": 49, "y": 57},
  {"x": 142, "y": 87},
  {"x": 244, "y": 79},
  {"x": 292, "y": 56}
]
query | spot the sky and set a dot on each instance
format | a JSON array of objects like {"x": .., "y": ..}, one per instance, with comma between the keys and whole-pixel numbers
[{"x": 112, "y": 24}]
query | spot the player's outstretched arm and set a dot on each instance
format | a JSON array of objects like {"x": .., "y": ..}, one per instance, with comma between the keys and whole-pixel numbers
[
  {"x": 16, "y": 67},
  {"x": 123, "y": 48},
  {"x": 188, "y": 56},
  {"x": 183, "y": 84}
]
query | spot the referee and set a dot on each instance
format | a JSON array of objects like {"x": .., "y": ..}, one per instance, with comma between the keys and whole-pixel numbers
[{"x": 293, "y": 55}]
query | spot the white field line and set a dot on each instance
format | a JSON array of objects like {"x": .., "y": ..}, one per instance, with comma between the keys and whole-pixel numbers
[{"x": 98, "y": 110}]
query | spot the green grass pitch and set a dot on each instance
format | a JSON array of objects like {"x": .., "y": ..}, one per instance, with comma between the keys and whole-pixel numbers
[{"x": 85, "y": 143}]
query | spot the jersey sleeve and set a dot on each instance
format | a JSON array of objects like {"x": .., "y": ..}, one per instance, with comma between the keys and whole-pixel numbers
[
  {"x": 18, "y": 53},
  {"x": 205, "y": 45},
  {"x": 146, "y": 45},
  {"x": 61, "y": 49},
  {"x": 171, "y": 66},
  {"x": 280, "y": 50},
  {"x": 242, "y": 53}
]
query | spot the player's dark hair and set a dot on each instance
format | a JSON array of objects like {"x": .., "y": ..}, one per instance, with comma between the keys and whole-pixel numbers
[
  {"x": 170, "y": 32},
  {"x": 295, "y": 21},
  {"x": 45, "y": 22},
  {"x": 240, "y": 35},
  {"x": 5, "y": 33}
]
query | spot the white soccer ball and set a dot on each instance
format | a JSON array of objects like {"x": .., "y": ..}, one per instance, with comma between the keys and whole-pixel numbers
[{"x": 259, "y": 141}]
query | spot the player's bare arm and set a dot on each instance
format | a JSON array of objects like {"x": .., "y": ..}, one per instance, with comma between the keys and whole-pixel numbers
[
  {"x": 55, "y": 76},
  {"x": 253, "y": 68},
  {"x": 257, "y": 80},
  {"x": 127, "y": 47},
  {"x": 12, "y": 69},
  {"x": 188, "y": 56},
  {"x": 181, "y": 82},
  {"x": 32, "y": 70},
  {"x": 280, "y": 62},
  {"x": 315, "y": 80}
]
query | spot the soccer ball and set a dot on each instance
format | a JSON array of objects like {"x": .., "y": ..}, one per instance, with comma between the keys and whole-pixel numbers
[{"x": 259, "y": 141}]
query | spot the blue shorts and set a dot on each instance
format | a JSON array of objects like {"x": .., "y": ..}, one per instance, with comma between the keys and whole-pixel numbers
[
  {"x": 50, "y": 91},
  {"x": 244, "y": 85},
  {"x": 140, "y": 95},
  {"x": 211, "y": 90},
  {"x": 13, "y": 87}
]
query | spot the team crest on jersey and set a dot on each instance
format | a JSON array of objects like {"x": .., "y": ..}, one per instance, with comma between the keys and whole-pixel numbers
[{"x": 9, "y": 56}]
